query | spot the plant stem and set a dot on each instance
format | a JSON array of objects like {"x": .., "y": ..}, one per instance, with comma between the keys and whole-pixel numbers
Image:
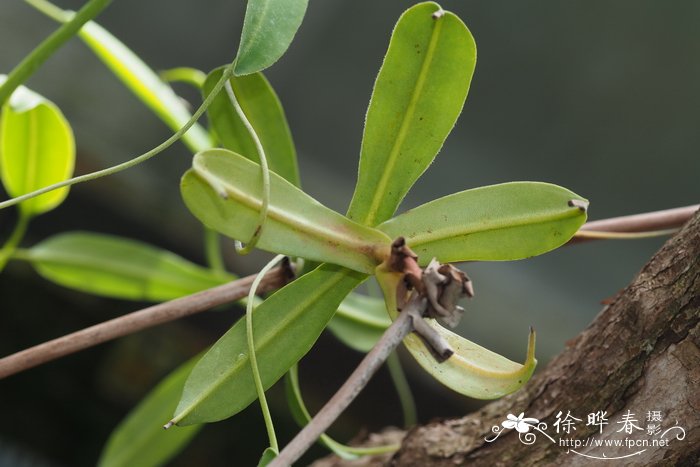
[
  {"x": 264, "y": 173},
  {"x": 48, "y": 46},
  {"x": 269, "y": 425},
  {"x": 138, "y": 320},
  {"x": 403, "y": 389},
  {"x": 637, "y": 223},
  {"x": 359, "y": 378},
  {"x": 191, "y": 76},
  {"x": 17, "y": 234},
  {"x": 137, "y": 160},
  {"x": 212, "y": 250}
]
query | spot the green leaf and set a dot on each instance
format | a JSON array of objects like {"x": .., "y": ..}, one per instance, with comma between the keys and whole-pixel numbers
[
  {"x": 296, "y": 225},
  {"x": 473, "y": 370},
  {"x": 268, "y": 30},
  {"x": 117, "y": 267},
  {"x": 36, "y": 149},
  {"x": 418, "y": 95},
  {"x": 264, "y": 111},
  {"x": 493, "y": 223},
  {"x": 360, "y": 321},
  {"x": 144, "y": 82},
  {"x": 140, "y": 438},
  {"x": 286, "y": 325}
]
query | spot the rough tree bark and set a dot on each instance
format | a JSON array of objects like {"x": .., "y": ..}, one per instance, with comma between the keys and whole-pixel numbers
[{"x": 640, "y": 355}]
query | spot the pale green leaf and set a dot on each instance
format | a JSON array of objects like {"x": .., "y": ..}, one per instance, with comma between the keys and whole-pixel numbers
[
  {"x": 117, "y": 267},
  {"x": 360, "y": 321},
  {"x": 296, "y": 224},
  {"x": 37, "y": 149},
  {"x": 285, "y": 326},
  {"x": 473, "y": 370},
  {"x": 140, "y": 438},
  {"x": 268, "y": 29},
  {"x": 264, "y": 111},
  {"x": 144, "y": 82},
  {"x": 492, "y": 223},
  {"x": 418, "y": 95}
]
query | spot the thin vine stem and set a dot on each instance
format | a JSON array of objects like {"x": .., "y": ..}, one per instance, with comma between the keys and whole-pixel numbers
[
  {"x": 49, "y": 46},
  {"x": 187, "y": 75},
  {"x": 264, "y": 173},
  {"x": 228, "y": 72},
  {"x": 403, "y": 389},
  {"x": 259, "y": 388},
  {"x": 13, "y": 241},
  {"x": 212, "y": 250}
]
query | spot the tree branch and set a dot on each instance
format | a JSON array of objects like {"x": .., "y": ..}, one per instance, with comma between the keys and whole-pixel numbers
[
  {"x": 640, "y": 354},
  {"x": 139, "y": 320}
]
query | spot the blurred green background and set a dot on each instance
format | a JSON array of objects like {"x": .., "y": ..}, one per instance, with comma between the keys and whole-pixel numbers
[{"x": 599, "y": 97}]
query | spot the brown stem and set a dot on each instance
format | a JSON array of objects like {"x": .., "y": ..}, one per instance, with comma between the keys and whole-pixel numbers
[
  {"x": 139, "y": 320},
  {"x": 392, "y": 337},
  {"x": 648, "y": 221}
]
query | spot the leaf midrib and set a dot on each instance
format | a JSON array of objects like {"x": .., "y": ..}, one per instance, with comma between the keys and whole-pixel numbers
[
  {"x": 403, "y": 130},
  {"x": 439, "y": 234},
  {"x": 261, "y": 343}
]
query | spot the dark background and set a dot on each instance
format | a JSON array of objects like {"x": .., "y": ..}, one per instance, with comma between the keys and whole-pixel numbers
[{"x": 600, "y": 98}]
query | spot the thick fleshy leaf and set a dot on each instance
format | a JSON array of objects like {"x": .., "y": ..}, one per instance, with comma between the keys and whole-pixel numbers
[
  {"x": 285, "y": 326},
  {"x": 473, "y": 370},
  {"x": 117, "y": 267},
  {"x": 37, "y": 149},
  {"x": 360, "y": 321},
  {"x": 492, "y": 223},
  {"x": 418, "y": 95},
  {"x": 144, "y": 82},
  {"x": 296, "y": 224},
  {"x": 268, "y": 29},
  {"x": 264, "y": 111},
  {"x": 140, "y": 438}
]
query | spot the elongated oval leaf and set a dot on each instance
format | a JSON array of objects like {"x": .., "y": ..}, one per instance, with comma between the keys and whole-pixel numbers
[
  {"x": 37, "y": 149},
  {"x": 473, "y": 370},
  {"x": 493, "y": 223},
  {"x": 268, "y": 29},
  {"x": 418, "y": 95},
  {"x": 140, "y": 438},
  {"x": 285, "y": 326},
  {"x": 117, "y": 267},
  {"x": 264, "y": 111},
  {"x": 360, "y": 321},
  {"x": 144, "y": 82},
  {"x": 296, "y": 225}
]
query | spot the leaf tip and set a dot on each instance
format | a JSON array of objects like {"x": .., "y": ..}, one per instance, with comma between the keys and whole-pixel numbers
[{"x": 581, "y": 204}]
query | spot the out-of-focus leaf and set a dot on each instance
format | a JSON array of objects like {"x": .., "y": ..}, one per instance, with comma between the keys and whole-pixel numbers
[
  {"x": 286, "y": 325},
  {"x": 296, "y": 224},
  {"x": 37, "y": 149},
  {"x": 140, "y": 438},
  {"x": 144, "y": 82},
  {"x": 264, "y": 111},
  {"x": 473, "y": 370},
  {"x": 268, "y": 29},
  {"x": 360, "y": 321},
  {"x": 493, "y": 223},
  {"x": 117, "y": 267},
  {"x": 417, "y": 98}
]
